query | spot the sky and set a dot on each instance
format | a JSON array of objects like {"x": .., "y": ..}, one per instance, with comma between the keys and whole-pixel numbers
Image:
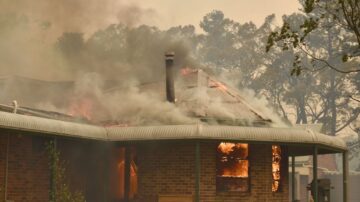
[
  {"x": 169, "y": 12},
  {"x": 33, "y": 28},
  {"x": 87, "y": 16}
]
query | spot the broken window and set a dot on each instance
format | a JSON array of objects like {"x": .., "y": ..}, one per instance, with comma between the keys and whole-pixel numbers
[
  {"x": 276, "y": 168},
  {"x": 232, "y": 173}
]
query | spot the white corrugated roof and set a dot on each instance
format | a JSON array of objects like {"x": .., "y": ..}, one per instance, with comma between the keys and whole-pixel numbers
[
  {"x": 51, "y": 126},
  {"x": 171, "y": 132}
]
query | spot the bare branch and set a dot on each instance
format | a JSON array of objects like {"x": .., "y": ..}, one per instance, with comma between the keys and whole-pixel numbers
[
  {"x": 350, "y": 120},
  {"x": 327, "y": 63},
  {"x": 351, "y": 97}
]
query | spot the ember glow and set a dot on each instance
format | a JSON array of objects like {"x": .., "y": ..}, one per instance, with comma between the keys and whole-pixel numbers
[
  {"x": 276, "y": 163},
  {"x": 186, "y": 71},
  {"x": 218, "y": 85},
  {"x": 82, "y": 107}
]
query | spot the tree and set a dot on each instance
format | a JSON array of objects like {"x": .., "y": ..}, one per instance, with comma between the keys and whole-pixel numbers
[
  {"x": 318, "y": 95},
  {"x": 343, "y": 15},
  {"x": 219, "y": 39}
]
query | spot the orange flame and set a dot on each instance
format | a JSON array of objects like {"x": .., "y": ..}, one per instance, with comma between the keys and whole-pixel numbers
[
  {"x": 276, "y": 160},
  {"x": 240, "y": 169},
  {"x": 186, "y": 71},
  {"x": 218, "y": 85},
  {"x": 233, "y": 161},
  {"x": 82, "y": 107}
]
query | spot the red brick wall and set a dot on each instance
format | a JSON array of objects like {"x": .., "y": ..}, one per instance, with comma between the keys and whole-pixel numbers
[
  {"x": 165, "y": 169},
  {"x": 168, "y": 168},
  {"x": 3, "y": 141},
  {"x": 28, "y": 173}
]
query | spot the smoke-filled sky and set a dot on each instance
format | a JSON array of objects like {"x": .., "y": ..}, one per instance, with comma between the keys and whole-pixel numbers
[
  {"x": 30, "y": 33},
  {"x": 191, "y": 12},
  {"x": 90, "y": 15}
]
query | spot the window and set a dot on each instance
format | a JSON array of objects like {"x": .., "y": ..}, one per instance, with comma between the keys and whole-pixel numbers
[
  {"x": 232, "y": 172},
  {"x": 276, "y": 168},
  {"x": 117, "y": 176}
]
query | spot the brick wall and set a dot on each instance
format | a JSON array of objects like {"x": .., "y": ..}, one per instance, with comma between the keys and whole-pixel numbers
[
  {"x": 28, "y": 173},
  {"x": 168, "y": 168},
  {"x": 165, "y": 169},
  {"x": 3, "y": 141}
]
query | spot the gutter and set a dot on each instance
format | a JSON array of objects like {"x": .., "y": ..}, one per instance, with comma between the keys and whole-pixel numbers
[{"x": 169, "y": 132}]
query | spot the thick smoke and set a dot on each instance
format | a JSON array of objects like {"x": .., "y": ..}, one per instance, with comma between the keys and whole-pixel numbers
[
  {"x": 29, "y": 30},
  {"x": 91, "y": 46},
  {"x": 126, "y": 105},
  {"x": 84, "y": 16},
  {"x": 56, "y": 41}
]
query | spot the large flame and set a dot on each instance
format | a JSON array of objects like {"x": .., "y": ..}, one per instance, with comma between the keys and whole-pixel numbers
[
  {"x": 118, "y": 180},
  {"x": 276, "y": 162},
  {"x": 233, "y": 160}
]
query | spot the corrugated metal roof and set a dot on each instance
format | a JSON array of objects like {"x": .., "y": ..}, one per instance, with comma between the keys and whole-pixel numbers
[
  {"x": 170, "y": 132},
  {"x": 235, "y": 133},
  {"x": 197, "y": 94},
  {"x": 50, "y": 126}
]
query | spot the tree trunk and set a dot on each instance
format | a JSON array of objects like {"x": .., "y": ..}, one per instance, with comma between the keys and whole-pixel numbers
[{"x": 332, "y": 90}]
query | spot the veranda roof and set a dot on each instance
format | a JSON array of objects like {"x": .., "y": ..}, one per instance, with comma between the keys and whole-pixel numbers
[{"x": 301, "y": 141}]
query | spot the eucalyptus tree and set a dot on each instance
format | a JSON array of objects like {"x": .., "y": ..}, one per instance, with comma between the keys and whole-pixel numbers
[
  {"x": 323, "y": 43},
  {"x": 343, "y": 15}
]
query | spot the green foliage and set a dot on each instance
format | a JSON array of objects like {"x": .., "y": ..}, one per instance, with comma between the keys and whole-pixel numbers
[
  {"x": 60, "y": 190},
  {"x": 71, "y": 43},
  {"x": 296, "y": 66},
  {"x": 308, "y": 26},
  {"x": 309, "y": 6},
  {"x": 270, "y": 42},
  {"x": 341, "y": 16}
]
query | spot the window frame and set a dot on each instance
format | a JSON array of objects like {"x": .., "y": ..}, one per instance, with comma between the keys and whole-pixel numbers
[{"x": 245, "y": 179}]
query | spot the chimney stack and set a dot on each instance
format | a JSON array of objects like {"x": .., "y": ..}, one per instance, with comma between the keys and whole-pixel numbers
[{"x": 169, "y": 63}]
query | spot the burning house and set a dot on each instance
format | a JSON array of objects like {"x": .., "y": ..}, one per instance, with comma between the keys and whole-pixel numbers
[{"x": 225, "y": 150}]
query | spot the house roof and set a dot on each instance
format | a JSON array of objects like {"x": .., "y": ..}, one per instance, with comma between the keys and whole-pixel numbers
[
  {"x": 301, "y": 140},
  {"x": 202, "y": 96},
  {"x": 208, "y": 98},
  {"x": 197, "y": 94},
  {"x": 31, "y": 92}
]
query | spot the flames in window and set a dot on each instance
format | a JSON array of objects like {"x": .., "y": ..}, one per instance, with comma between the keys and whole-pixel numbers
[
  {"x": 232, "y": 167},
  {"x": 118, "y": 174},
  {"x": 276, "y": 165}
]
